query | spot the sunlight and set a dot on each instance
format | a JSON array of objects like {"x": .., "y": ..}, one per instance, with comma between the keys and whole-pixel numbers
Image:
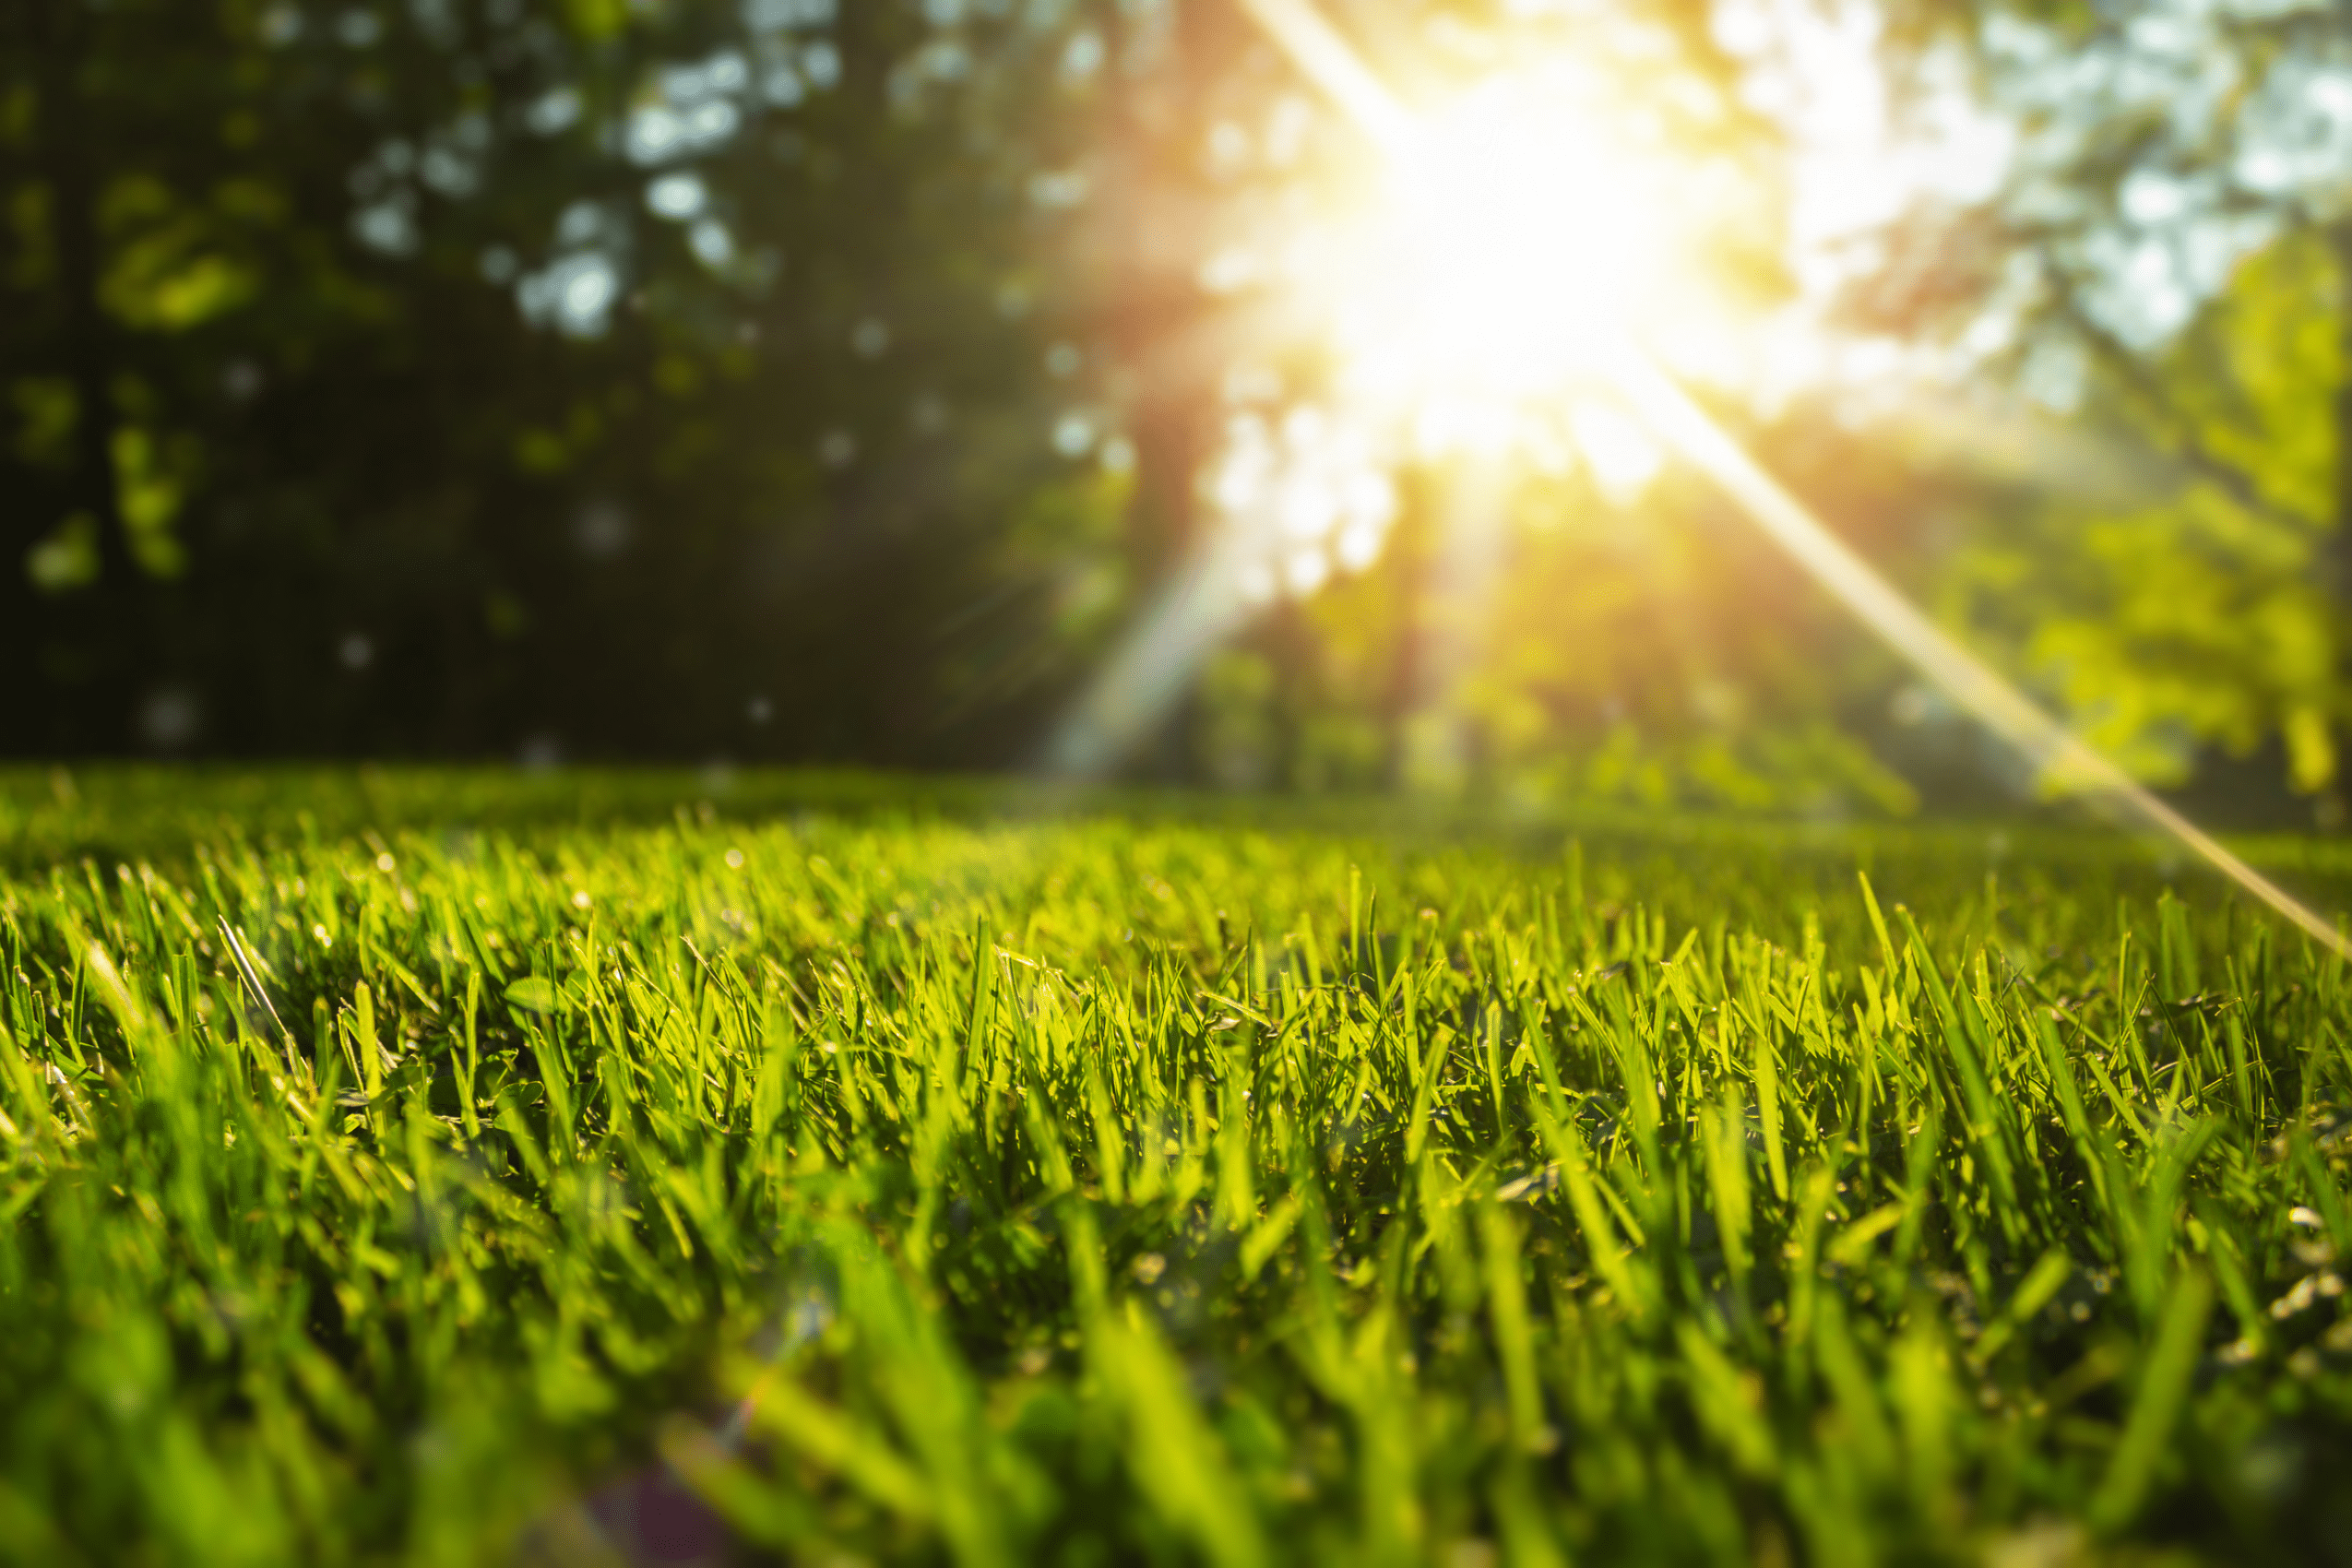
[
  {"x": 1518, "y": 252},
  {"x": 1513, "y": 244}
]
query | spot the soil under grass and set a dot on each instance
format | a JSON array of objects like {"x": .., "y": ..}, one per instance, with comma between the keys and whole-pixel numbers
[{"x": 640, "y": 1168}]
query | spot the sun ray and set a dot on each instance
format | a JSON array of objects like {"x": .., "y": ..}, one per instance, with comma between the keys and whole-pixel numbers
[
  {"x": 1525, "y": 306},
  {"x": 2059, "y": 757}
]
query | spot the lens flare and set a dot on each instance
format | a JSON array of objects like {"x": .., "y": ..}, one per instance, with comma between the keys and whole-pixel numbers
[
  {"x": 2059, "y": 758},
  {"x": 1515, "y": 250},
  {"x": 1510, "y": 246}
]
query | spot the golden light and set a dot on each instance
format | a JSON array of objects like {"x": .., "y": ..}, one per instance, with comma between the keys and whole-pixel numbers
[
  {"x": 1515, "y": 241},
  {"x": 1516, "y": 251}
]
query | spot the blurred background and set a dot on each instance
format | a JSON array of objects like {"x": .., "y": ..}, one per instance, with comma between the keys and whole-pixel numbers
[{"x": 1010, "y": 385}]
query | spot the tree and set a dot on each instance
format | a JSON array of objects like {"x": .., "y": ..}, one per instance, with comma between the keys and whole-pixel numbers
[
  {"x": 466, "y": 375},
  {"x": 2168, "y": 263},
  {"x": 1572, "y": 638}
]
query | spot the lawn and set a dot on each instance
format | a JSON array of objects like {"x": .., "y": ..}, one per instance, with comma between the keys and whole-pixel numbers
[{"x": 666, "y": 1168}]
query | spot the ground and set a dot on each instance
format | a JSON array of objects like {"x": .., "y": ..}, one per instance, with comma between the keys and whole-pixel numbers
[{"x": 647, "y": 1167}]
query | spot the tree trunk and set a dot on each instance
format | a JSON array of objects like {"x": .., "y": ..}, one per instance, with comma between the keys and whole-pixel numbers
[
  {"x": 2336, "y": 553},
  {"x": 103, "y": 622},
  {"x": 1167, "y": 335},
  {"x": 2334, "y": 558},
  {"x": 62, "y": 40},
  {"x": 1408, "y": 564}
]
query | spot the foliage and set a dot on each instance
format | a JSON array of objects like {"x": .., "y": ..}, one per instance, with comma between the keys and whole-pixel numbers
[
  {"x": 437, "y": 381},
  {"x": 2198, "y": 609},
  {"x": 702, "y": 378},
  {"x": 451, "y": 377},
  {"x": 1650, "y": 649},
  {"x": 923, "y": 1184},
  {"x": 2165, "y": 267}
]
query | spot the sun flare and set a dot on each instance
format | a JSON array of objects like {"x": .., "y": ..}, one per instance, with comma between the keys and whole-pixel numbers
[{"x": 1513, "y": 245}]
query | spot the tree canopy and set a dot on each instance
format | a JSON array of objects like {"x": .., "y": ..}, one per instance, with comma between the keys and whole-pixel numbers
[{"x": 772, "y": 378}]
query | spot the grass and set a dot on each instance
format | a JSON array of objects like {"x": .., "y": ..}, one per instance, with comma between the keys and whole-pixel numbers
[{"x": 843, "y": 1171}]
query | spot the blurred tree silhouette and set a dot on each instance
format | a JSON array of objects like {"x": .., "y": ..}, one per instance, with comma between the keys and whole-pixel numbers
[
  {"x": 782, "y": 378},
  {"x": 2166, "y": 268},
  {"x": 562, "y": 374}
]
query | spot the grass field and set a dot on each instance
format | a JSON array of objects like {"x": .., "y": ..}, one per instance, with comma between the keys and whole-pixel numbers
[{"x": 638, "y": 1169}]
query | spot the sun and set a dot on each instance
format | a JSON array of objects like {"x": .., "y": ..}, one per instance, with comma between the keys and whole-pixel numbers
[{"x": 1513, "y": 244}]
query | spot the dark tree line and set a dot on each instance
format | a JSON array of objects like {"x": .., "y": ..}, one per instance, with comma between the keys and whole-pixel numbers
[
  {"x": 836, "y": 379},
  {"x": 472, "y": 374}
]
